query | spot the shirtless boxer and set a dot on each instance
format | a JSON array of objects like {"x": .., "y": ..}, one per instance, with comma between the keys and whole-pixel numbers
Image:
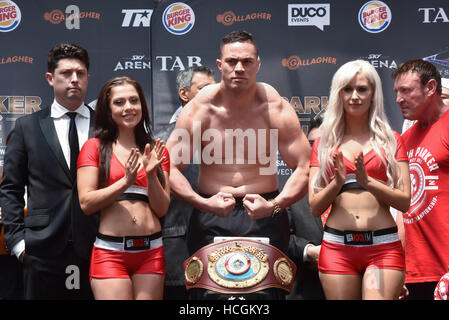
[{"x": 238, "y": 188}]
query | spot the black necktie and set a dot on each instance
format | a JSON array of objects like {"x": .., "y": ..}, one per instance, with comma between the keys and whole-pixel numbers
[{"x": 74, "y": 145}]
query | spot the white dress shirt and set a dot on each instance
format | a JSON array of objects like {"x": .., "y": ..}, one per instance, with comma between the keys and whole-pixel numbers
[
  {"x": 175, "y": 115},
  {"x": 62, "y": 123}
]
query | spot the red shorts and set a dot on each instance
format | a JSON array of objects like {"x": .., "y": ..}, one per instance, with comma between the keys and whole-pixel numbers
[
  {"x": 339, "y": 258},
  {"x": 108, "y": 264}
]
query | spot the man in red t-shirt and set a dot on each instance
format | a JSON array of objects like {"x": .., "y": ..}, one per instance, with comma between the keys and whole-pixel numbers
[{"x": 426, "y": 223}]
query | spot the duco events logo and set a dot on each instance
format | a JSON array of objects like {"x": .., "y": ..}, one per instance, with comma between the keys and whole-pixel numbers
[
  {"x": 317, "y": 15},
  {"x": 10, "y": 16},
  {"x": 178, "y": 18},
  {"x": 229, "y": 18},
  {"x": 294, "y": 62},
  {"x": 374, "y": 16}
]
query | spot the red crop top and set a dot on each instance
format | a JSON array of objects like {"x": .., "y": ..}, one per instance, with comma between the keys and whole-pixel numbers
[
  {"x": 90, "y": 156},
  {"x": 373, "y": 164}
]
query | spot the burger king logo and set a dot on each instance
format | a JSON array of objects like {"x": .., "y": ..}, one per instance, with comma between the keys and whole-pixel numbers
[
  {"x": 374, "y": 16},
  {"x": 10, "y": 16},
  {"x": 178, "y": 18}
]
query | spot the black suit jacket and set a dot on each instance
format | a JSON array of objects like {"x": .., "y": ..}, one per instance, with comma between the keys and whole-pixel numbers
[
  {"x": 34, "y": 159},
  {"x": 175, "y": 223},
  {"x": 304, "y": 229}
]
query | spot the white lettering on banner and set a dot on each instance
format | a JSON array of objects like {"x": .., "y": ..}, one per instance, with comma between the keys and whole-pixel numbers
[
  {"x": 136, "y": 62},
  {"x": 138, "y": 17},
  {"x": 379, "y": 61},
  {"x": 73, "y": 280},
  {"x": 73, "y": 21},
  {"x": 227, "y": 141},
  {"x": 431, "y": 17},
  {"x": 176, "y": 62},
  {"x": 424, "y": 183}
]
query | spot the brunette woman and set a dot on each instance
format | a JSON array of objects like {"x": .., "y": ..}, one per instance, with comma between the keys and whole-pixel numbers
[{"x": 123, "y": 173}]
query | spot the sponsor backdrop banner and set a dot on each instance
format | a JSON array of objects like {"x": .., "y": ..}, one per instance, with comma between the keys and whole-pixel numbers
[
  {"x": 301, "y": 45},
  {"x": 116, "y": 34}
]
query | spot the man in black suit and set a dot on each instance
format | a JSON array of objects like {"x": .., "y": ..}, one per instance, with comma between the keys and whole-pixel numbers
[
  {"x": 306, "y": 233},
  {"x": 55, "y": 238},
  {"x": 189, "y": 82}
]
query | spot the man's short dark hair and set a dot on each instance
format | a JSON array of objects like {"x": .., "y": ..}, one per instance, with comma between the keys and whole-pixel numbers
[
  {"x": 424, "y": 69},
  {"x": 238, "y": 36},
  {"x": 66, "y": 51}
]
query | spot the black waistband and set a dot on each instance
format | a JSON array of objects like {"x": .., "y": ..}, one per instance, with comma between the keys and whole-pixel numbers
[
  {"x": 379, "y": 232},
  {"x": 239, "y": 200},
  {"x": 133, "y": 196},
  {"x": 121, "y": 239},
  {"x": 351, "y": 186}
]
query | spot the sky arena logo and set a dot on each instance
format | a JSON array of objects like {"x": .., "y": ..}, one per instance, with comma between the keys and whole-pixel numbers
[
  {"x": 374, "y": 16},
  {"x": 136, "y": 62},
  {"x": 379, "y": 61},
  {"x": 178, "y": 18},
  {"x": 10, "y": 16}
]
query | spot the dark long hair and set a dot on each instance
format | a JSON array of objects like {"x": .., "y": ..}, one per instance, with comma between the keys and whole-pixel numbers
[{"x": 107, "y": 131}]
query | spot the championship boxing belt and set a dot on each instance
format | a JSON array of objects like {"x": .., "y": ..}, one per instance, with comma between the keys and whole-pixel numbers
[{"x": 239, "y": 266}]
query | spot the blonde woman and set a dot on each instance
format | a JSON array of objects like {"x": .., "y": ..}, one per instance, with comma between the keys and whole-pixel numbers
[{"x": 360, "y": 168}]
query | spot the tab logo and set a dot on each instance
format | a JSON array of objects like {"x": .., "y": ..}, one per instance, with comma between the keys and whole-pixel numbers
[{"x": 317, "y": 15}]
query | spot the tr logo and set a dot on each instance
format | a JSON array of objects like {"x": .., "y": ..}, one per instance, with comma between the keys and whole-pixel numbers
[{"x": 136, "y": 17}]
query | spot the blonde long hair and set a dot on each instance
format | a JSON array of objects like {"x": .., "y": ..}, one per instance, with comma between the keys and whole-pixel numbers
[{"x": 332, "y": 129}]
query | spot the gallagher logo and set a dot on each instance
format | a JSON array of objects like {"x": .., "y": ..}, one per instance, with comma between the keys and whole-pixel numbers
[
  {"x": 374, "y": 16},
  {"x": 10, "y": 16},
  {"x": 229, "y": 18},
  {"x": 72, "y": 16},
  {"x": 178, "y": 18},
  {"x": 16, "y": 59},
  {"x": 294, "y": 62}
]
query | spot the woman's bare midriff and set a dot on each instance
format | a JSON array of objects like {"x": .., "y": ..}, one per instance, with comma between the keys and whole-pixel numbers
[
  {"x": 359, "y": 210},
  {"x": 129, "y": 218}
]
